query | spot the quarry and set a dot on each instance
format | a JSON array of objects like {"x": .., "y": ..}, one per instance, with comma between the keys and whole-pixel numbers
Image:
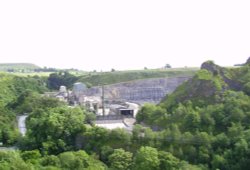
[{"x": 116, "y": 105}]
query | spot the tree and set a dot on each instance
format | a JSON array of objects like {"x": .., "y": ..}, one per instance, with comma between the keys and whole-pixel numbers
[
  {"x": 69, "y": 161},
  {"x": 29, "y": 101},
  {"x": 56, "y": 80},
  {"x": 247, "y": 88},
  {"x": 147, "y": 159},
  {"x": 95, "y": 138},
  {"x": 12, "y": 160},
  {"x": 50, "y": 160},
  {"x": 192, "y": 121},
  {"x": 119, "y": 138},
  {"x": 120, "y": 160},
  {"x": 218, "y": 162},
  {"x": 106, "y": 151},
  {"x": 149, "y": 113},
  {"x": 54, "y": 130},
  {"x": 168, "y": 161},
  {"x": 79, "y": 160},
  {"x": 31, "y": 156}
]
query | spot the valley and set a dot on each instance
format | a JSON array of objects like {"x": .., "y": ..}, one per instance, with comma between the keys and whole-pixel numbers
[{"x": 190, "y": 120}]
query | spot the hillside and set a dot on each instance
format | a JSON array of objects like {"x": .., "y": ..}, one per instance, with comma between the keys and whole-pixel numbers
[
  {"x": 92, "y": 79},
  {"x": 209, "y": 83},
  {"x": 18, "y": 67},
  {"x": 205, "y": 121},
  {"x": 95, "y": 79}
]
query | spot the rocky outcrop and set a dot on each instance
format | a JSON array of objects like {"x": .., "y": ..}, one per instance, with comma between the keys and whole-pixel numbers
[
  {"x": 210, "y": 66},
  {"x": 140, "y": 91},
  {"x": 217, "y": 70}
]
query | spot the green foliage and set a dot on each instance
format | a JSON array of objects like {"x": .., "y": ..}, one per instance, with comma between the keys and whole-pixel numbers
[
  {"x": 95, "y": 138},
  {"x": 204, "y": 75},
  {"x": 147, "y": 159},
  {"x": 168, "y": 161},
  {"x": 119, "y": 138},
  {"x": 149, "y": 114},
  {"x": 246, "y": 88},
  {"x": 50, "y": 160},
  {"x": 12, "y": 160},
  {"x": 218, "y": 162},
  {"x": 8, "y": 132},
  {"x": 106, "y": 151},
  {"x": 79, "y": 160},
  {"x": 55, "y": 80},
  {"x": 29, "y": 101},
  {"x": 192, "y": 121},
  {"x": 120, "y": 160},
  {"x": 31, "y": 156},
  {"x": 11, "y": 88},
  {"x": 35, "y": 83},
  {"x": 210, "y": 135},
  {"x": 71, "y": 160},
  {"x": 204, "y": 124},
  {"x": 7, "y": 89},
  {"x": 30, "y": 160},
  {"x": 54, "y": 130}
]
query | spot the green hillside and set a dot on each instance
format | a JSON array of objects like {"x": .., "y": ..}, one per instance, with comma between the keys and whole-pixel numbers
[
  {"x": 18, "y": 67},
  {"x": 206, "y": 121},
  {"x": 55, "y": 80},
  {"x": 209, "y": 83},
  {"x": 95, "y": 79}
]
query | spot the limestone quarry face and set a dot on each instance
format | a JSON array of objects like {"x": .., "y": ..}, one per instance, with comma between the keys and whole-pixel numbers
[{"x": 140, "y": 91}]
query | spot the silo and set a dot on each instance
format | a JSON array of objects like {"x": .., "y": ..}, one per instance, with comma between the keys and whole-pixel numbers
[{"x": 78, "y": 90}]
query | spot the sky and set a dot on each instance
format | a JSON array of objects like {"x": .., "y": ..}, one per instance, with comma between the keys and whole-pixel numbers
[{"x": 124, "y": 34}]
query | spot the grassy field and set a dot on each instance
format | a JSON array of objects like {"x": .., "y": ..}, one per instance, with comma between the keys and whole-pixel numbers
[
  {"x": 46, "y": 74},
  {"x": 18, "y": 67},
  {"x": 40, "y": 74},
  {"x": 98, "y": 78}
]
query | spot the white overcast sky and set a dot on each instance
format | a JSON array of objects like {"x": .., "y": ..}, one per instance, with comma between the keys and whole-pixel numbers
[{"x": 124, "y": 34}]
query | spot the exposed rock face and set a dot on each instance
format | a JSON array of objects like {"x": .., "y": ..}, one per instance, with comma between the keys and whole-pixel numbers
[
  {"x": 140, "y": 91},
  {"x": 210, "y": 66},
  {"x": 248, "y": 61},
  {"x": 217, "y": 70}
]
